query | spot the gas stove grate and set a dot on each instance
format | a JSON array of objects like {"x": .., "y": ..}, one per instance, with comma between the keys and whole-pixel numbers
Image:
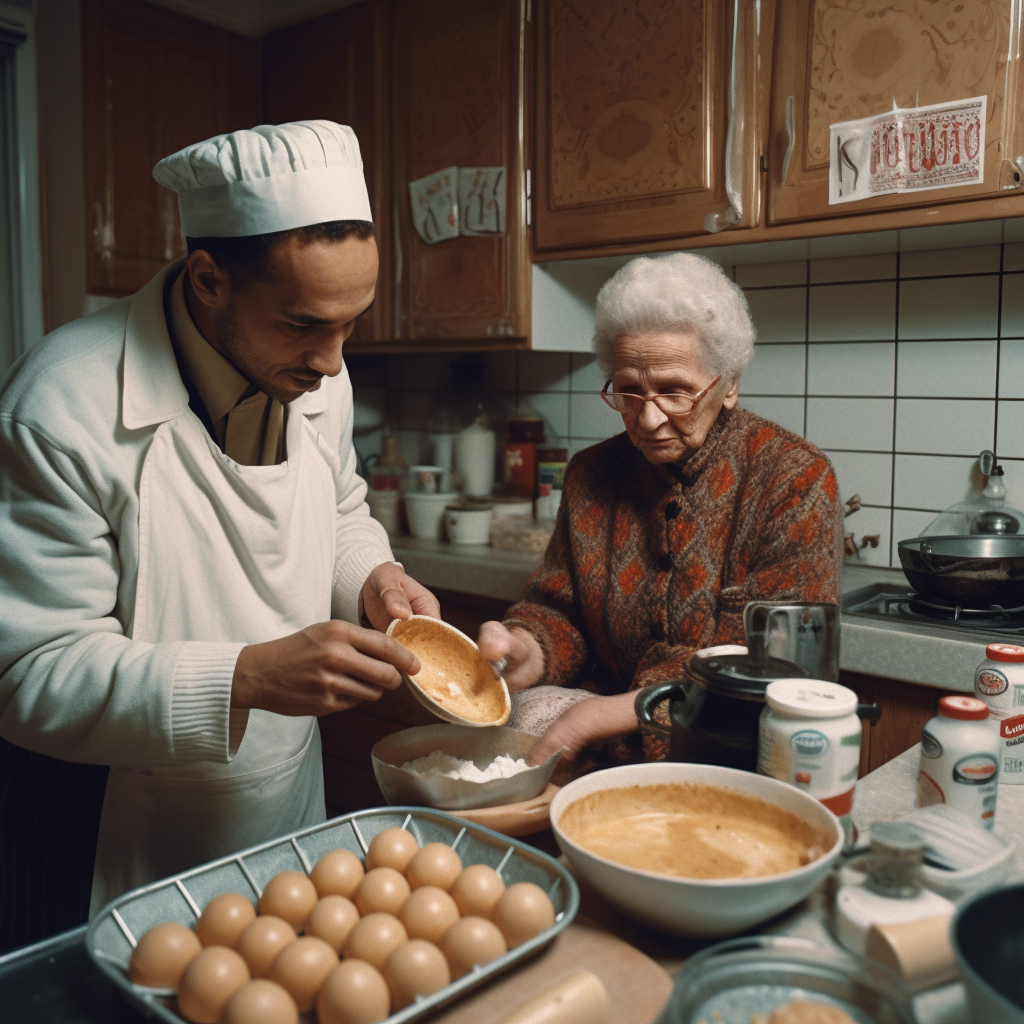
[{"x": 902, "y": 604}]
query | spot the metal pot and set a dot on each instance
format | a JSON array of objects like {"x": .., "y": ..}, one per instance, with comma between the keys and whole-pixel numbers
[
  {"x": 975, "y": 571},
  {"x": 987, "y": 937},
  {"x": 715, "y": 709}
]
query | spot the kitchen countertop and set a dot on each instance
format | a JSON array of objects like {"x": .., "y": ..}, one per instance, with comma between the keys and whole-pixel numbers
[
  {"x": 913, "y": 652},
  {"x": 56, "y": 980}
]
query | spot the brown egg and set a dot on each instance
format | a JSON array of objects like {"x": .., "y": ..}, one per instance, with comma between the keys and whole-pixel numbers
[
  {"x": 428, "y": 913},
  {"x": 471, "y": 941},
  {"x": 375, "y": 938},
  {"x": 224, "y": 918},
  {"x": 301, "y": 968},
  {"x": 289, "y": 895},
  {"x": 163, "y": 953},
  {"x": 523, "y": 911},
  {"x": 436, "y": 864},
  {"x": 392, "y": 848},
  {"x": 212, "y": 978},
  {"x": 337, "y": 873},
  {"x": 383, "y": 891},
  {"x": 354, "y": 993},
  {"x": 477, "y": 890},
  {"x": 262, "y": 941},
  {"x": 332, "y": 919},
  {"x": 416, "y": 968},
  {"x": 260, "y": 1002}
]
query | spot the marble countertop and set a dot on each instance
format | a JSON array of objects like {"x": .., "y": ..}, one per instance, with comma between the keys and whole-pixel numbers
[{"x": 922, "y": 654}]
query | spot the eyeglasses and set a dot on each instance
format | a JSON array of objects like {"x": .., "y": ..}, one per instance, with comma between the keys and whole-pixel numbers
[{"x": 671, "y": 404}]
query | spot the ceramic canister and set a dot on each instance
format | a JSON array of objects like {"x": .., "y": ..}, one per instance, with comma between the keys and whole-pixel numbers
[
  {"x": 810, "y": 737},
  {"x": 999, "y": 682}
]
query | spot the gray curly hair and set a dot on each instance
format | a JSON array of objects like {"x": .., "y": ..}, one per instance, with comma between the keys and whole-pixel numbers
[{"x": 680, "y": 292}]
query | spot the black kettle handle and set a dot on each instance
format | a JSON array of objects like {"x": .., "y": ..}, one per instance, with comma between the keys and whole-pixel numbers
[
  {"x": 648, "y": 698},
  {"x": 869, "y": 712}
]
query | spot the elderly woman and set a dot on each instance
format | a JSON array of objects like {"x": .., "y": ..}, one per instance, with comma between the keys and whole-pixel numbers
[{"x": 667, "y": 530}]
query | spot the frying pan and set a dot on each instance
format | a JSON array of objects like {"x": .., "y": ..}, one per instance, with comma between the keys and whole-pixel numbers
[
  {"x": 974, "y": 572},
  {"x": 988, "y": 940}
]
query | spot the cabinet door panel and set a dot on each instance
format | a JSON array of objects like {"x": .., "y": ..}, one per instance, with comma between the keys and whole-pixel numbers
[
  {"x": 457, "y": 100},
  {"x": 840, "y": 60},
  {"x": 335, "y": 67},
  {"x": 154, "y": 82},
  {"x": 632, "y": 121}
]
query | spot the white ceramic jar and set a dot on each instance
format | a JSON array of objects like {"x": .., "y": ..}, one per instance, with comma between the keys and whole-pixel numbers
[
  {"x": 810, "y": 737},
  {"x": 468, "y": 525},
  {"x": 999, "y": 682},
  {"x": 960, "y": 753}
]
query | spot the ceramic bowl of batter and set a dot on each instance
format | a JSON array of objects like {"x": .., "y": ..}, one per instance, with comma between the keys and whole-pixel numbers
[
  {"x": 707, "y": 908},
  {"x": 481, "y": 746},
  {"x": 456, "y": 682}
]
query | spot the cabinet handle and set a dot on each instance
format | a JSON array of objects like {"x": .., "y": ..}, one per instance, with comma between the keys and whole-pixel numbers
[
  {"x": 791, "y": 133},
  {"x": 736, "y": 134}
]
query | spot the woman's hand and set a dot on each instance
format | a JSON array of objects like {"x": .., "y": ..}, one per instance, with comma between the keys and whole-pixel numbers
[
  {"x": 585, "y": 723},
  {"x": 524, "y": 659}
]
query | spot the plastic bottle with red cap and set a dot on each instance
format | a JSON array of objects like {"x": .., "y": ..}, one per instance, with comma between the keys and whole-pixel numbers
[
  {"x": 960, "y": 753},
  {"x": 999, "y": 682}
]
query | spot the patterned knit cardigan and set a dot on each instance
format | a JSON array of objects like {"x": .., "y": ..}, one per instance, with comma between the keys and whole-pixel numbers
[{"x": 647, "y": 566}]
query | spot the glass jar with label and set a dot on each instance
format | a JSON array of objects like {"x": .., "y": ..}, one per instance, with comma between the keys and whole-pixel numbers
[
  {"x": 960, "y": 760},
  {"x": 810, "y": 738},
  {"x": 999, "y": 682}
]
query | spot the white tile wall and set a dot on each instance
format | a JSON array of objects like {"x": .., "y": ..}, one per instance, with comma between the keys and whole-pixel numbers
[
  {"x": 949, "y": 369},
  {"x": 851, "y": 368},
  {"x": 851, "y": 343},
  {"x": 852, "y": 312},
  {"x": 944, "y": 426}
]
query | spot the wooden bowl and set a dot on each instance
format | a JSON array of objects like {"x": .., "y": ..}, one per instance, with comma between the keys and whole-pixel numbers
[{"x": 456, "y": 682}]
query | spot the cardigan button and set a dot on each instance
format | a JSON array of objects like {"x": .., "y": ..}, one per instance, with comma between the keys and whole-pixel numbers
[
  {"x": 658, "y": 631},
  {"x": 672, "y": 510},
  {"x": 665, "y": 563}
]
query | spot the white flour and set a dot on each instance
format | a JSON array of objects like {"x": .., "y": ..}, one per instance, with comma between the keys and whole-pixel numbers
[{"x": 439, "y": 763}]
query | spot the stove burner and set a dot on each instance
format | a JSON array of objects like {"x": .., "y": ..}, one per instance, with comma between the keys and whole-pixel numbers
[{"x": 903, "y": 604}]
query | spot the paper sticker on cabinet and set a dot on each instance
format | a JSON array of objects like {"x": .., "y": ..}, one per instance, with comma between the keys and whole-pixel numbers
[
  {"x": 482, "y": 200},
  {"x": 435, "y": 205},
  {"x": 908, "y": 150}
]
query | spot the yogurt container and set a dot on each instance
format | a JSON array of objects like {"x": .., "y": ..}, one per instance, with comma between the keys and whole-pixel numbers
[
  {"x": 999, "y": 682},
  {"x": 960, "y": 753},
  {"x": 809, "y": 736}
]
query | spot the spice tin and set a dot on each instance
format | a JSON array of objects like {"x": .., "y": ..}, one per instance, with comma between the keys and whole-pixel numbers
[{"x": 999, "y": 682}]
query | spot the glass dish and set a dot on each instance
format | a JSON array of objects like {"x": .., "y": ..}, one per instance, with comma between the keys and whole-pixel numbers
[{"x": 734, "y": 981}]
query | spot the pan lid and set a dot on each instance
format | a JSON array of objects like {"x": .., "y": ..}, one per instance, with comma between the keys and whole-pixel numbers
[{"x": 740, "y": 675}]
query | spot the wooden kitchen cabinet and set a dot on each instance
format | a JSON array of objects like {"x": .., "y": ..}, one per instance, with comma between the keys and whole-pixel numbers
[
  {"x": 336, "y": 68},
  {"x": 154, "y": 82},
  {"x": 637, "y": 137},
  {"x": 838, "y": 60},
  {"x": 905, "y": 710},
  {"x": 457, "y": 100}
]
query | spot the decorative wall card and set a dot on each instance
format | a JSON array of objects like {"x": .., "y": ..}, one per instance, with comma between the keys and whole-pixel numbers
[
  {"x": 435, "y": 205},
  {"x": 908, "y": 150},
  {"x": 481, "y": 200}
]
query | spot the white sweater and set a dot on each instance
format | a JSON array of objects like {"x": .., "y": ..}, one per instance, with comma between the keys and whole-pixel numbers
[{"x": 77, "y": 415}]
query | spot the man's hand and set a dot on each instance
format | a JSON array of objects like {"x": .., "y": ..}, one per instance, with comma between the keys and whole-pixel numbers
[
  {"x": 583, "y": 724},
  {"x": 524, "y": 659},
  {"x": 389, "y": 594},
  {"x": 322, "y": 669}
]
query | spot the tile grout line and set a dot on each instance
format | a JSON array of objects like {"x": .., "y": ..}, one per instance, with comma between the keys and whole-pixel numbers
[
  {"x": 895, "y": 389},
  {"x": 999, "y": 341}
]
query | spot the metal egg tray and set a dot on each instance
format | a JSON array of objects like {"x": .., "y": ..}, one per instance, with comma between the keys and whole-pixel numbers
[{"x": 113, "y": 933}]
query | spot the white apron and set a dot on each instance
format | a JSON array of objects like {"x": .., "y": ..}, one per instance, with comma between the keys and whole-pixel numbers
[{"x": 237, "y": 554}]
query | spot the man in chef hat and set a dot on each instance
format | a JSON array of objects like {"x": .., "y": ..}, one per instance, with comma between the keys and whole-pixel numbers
[{"x": 185, "y": 553}]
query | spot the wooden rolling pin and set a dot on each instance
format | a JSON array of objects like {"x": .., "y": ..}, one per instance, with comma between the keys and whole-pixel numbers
[
  {"x": 920, "y": 952},
  {"x": 581, "y": 999}
]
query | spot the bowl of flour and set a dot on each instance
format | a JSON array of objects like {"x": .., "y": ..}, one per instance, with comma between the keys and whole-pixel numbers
[{"x": 459, "y": 767}]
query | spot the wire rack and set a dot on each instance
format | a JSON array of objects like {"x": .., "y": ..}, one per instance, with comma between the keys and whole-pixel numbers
[{"x": 113, "y": 933}]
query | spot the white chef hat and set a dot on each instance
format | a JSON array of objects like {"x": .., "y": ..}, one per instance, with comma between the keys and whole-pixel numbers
[{"x": 268, "y": 178}]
